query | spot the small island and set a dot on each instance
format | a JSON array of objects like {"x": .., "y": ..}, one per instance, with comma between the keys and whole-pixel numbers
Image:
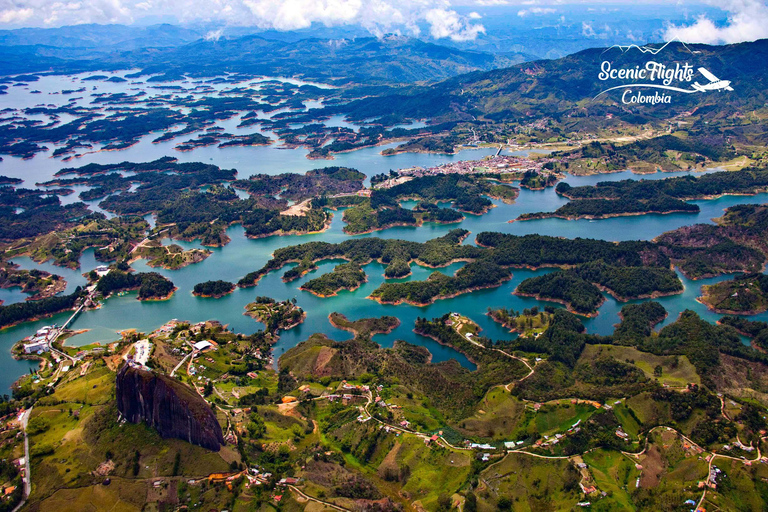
[
  {"x": 151, "y": 285},
  {"x": 365, "y": 327},
  {"x": 39, "y": 283},
  {"x": 473, "y": 276},
  {"x": 530, "y": 323},
  {"x": 745, "y": 295},
  {"x": 276, "y": 316},
  {"x": 170, "y": 257},
  {"x": 213, "y": 289},
  {"x": 640, "y": 197},
  {"x": 579, "y": 296},
  {"x": 19, "y": 312},
  {"x": 397, "y": 269},
  {"x": 347, "y": 276}
]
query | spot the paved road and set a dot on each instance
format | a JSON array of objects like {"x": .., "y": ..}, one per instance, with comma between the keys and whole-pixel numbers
[{"x": 28, "y": 478}]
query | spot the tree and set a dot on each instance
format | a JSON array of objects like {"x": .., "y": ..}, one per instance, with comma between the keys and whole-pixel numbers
[
  {"x": 658, "y": 370},
  {"x": 470, "y": 505}
]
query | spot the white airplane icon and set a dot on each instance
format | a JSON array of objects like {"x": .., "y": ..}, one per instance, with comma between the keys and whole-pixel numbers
[{"x": 715, "y": 84}]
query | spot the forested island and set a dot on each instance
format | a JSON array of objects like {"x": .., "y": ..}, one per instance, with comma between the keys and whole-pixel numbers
[
  {"x": 150, "y": 285},
  {"x": 366, "y": 326},
  {"x": 579, "y": 288},
  {"x": 38, "y": 283},
  {"x": 171, "y": 257},
  {"x": 347, "y": 276},
  {"x": 473, "y": 276},
  {"x": 529, "y": 322},
  {"x": 467, "y": 193},
  {"x": 637, "y": 269},
  {"x": 27, "y": 311},
  {"x": 276, "y": 316},
  {"x": 745, "y": 295},
  {"x": 437, "y": 252},
  {"x": 213, "y": 289},
  {"x": 637, "y": 197}
]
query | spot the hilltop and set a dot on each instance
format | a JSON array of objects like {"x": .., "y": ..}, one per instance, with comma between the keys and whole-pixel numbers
[{"x": 365, "y": 60}]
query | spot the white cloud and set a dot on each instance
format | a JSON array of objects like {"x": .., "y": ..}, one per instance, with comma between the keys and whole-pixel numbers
[
  {"x": 486, "y": 3},
  {"x": 448, "y": 24},
  {"x": 214, "y": 35},
  {"x": 536, "y": 11},
  {"x": 377, "y": 16},
  {"x": 15, "y": 15},
  {"x": 588, "y": 30},
  {"x": 747, "y": 21}
]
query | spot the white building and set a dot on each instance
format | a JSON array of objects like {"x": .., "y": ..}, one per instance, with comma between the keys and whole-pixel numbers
[
  {"x": 36, "y": 347},
  {"x": 202, "y": 345}
]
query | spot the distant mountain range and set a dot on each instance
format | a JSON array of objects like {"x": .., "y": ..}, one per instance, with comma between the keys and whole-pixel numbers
[
  {"x": 101, "y": 38},
  {"x": 568, "y": 86},
  {"x": 167, "y": 49}
]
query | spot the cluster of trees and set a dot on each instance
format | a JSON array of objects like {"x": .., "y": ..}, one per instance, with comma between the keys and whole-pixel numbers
[
  {"x": 535, "y": 180},
  {"x": 427, "y": 145},
  {"x": 747, "y": 294},
  {"x": 362, "y": 218},
  {"x": 563, "y": 340},
  {"x": 581, "y": 296},
  {"x": 347, "y": 276},
  {"x": 430, "y": 212},
  {"x": 701, "y": 342},
  {"x": 528, "y": 319},
  {"x": 577, "y": 288},
  {"x": 27, "y": 215},
  {"x": 694, "y": 149},
  {"x": 682, "y": 187},
  {"x": 213, "y": 288},
  {"x": 596, "y": 208},
  {"x": 364, "y": 327},
  {"x": 297, "y": 187},
  {"x": 283, "y": 315},
  {"x": 540, "y": 251},
  {"x": 224, "y": 140},
  {"x": 608, "y": 198},
  {"x": 466, "y": 191},
  {"x": 474, "y": 275},
  {"x": 637, "y": 322},
  {"x": 29, "y": 310},
  {"x": 436, "y": 252},
  {"x": 397, "y": 268},
  {"x": 151, "y": 285}
]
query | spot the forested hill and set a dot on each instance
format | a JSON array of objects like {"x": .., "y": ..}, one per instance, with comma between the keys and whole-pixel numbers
[
  {"x": 566, "y": 87},
  {"x": 368, "y": 60}
]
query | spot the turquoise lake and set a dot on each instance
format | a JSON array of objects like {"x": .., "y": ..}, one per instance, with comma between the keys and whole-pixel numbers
[{"x": 243, "y": 255}]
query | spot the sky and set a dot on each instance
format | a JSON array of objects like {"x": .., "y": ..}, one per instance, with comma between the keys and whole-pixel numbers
[{"x": 454, "y": 20}]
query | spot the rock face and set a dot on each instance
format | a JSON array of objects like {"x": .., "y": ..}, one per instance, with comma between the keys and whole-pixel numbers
[{"x": 172, "y": 408}]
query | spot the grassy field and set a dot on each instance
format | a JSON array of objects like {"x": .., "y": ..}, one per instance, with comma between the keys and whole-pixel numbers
[
  {"x": 120, "y": 496},
  {"x": 95, "y": 387},
  {"x": 677, "y": 371},
  {"x": 559, "y": 416},
  {"x": 497, "y": 417},
  {"x": 613, "y": 473},
  {"x": 741, "y": 488},
  {"x": 530, "y": 483},
  {"x": 627, "y": 420}
]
